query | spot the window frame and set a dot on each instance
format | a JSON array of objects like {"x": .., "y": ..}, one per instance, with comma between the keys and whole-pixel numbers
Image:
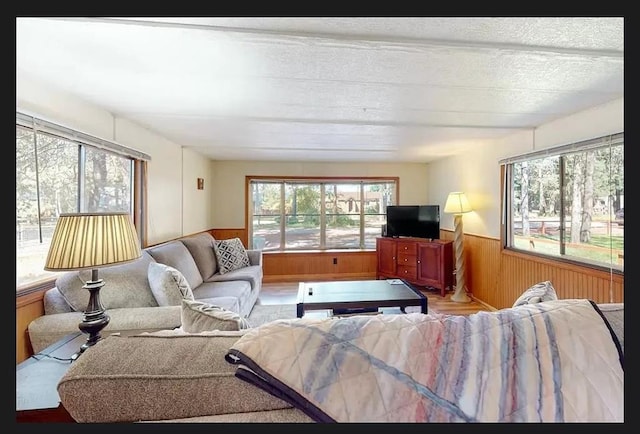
[
  {"x": 139, "y": 160},
  {"x": 507, "y": 198},
  {"x": 282, "y": 180}
]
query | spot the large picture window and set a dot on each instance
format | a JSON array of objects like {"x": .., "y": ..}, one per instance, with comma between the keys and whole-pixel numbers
[
  {"x": 568, "y": 202},
  {"x": 320, "y": 214},
  {"x": 58, "y": 173}
]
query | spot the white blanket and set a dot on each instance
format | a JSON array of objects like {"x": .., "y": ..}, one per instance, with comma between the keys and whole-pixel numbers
[{"x": 555, "y": 361}]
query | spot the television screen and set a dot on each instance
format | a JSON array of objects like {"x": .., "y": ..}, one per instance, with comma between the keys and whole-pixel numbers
[{"x": 421, "y": 221}]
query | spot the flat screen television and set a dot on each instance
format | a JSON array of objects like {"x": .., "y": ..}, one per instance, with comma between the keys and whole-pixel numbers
[{"x": 422, "y": 221}]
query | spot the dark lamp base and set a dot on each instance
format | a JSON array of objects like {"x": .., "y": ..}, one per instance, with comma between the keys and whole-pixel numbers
[{"x": 95, "y": 318}]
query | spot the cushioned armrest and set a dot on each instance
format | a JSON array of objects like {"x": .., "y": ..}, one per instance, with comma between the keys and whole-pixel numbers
[
  {"x": 47, "y": 329},
  {"x": 255, "y": 257}
]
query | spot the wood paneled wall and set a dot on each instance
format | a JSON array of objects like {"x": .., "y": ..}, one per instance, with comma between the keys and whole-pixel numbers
[
  {"x": 498, "y": 277},
  {"x": 28, "y": 308},
  {"x": 318, "y": 265},
  {"x": 224, "y": 234}
]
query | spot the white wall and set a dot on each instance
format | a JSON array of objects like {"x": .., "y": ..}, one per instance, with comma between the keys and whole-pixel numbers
[
  {"x": 477, "y": 172},
  {"x": 198, "y": 204},
  {"x": 229, "y": 180},
  {"x": 173, "y": 210},
  {"x": 164, "y": 192}
]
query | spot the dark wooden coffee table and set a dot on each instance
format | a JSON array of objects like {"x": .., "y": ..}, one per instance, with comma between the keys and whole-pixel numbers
[{"x": 355, "y": 296}]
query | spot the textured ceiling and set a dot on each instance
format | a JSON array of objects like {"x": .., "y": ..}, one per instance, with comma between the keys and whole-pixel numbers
[{"x": 329, "y": 89}]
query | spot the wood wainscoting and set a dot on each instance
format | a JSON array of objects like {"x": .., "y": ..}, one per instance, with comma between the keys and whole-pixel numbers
[
  {"x": 319, "y": 265},
  {"x": 309, "y": 264},
  {"x": 224, "y": 234},
  {"x": 498, "y": 276},
  {"x": 28, "y": 308}
]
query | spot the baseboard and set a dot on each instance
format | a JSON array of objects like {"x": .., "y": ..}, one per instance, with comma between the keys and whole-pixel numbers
[{"x": 488, "y": 306}]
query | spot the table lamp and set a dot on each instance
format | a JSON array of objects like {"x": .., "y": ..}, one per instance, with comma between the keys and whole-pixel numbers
[
  {"x": 457, "y": 204},
  {"x": 91, "y": 241}
]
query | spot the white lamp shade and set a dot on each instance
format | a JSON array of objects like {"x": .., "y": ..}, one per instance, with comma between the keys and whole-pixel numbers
[
  {"x": 92, "y": 240},
  {"x": 457, "y": 203}
]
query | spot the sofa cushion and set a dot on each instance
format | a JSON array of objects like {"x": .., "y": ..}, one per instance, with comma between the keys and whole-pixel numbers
[
  {"x": 235, "y": 288},
  {"x": 198, "y": 317},
  {"x": 168, "y": 285},
  {"x": 543, "y": 291},
  {"x": 54, "y": 302},
  {"x": 126, "y": 285},
  {"x": 176, "y": 255},
  {"x": 201, "y": 248},
  {"x": 149, "y": 377},
  {"x": 252, "y": 274},
  {"x": 48, "y": 329},
  {"x": 231, "y": 255},
  {"x": 240, "y": 290}
]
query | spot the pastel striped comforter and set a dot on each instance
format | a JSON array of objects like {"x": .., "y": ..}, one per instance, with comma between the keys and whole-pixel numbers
[{"x": 555, "y": 361}]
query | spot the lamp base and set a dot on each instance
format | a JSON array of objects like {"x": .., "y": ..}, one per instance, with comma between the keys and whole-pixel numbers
[
  {"x": 460, "y": 296},
  {"x": 95, "y": 318}
]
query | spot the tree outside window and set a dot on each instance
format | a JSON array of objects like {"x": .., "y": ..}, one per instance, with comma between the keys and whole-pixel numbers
[{"x": 565, "y": 204}]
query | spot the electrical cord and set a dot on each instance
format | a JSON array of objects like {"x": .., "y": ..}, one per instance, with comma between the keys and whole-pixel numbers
[{"x": 40, "y": 356}]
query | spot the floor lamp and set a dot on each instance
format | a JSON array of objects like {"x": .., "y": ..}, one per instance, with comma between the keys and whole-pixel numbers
[
  {"x": 457, "y": 204},
  {"x": 91, "y": 241}
]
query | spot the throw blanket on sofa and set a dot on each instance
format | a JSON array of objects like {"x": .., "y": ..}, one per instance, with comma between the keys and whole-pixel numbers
[{"x": 554, "y": 361}]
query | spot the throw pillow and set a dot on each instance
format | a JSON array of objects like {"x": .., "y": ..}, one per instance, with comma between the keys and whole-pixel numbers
[
  {"x": 198, "y": 317},
  {"x": 169, "y": 286},
  {"x": 231, "y": 255},
  {"x": 539, "y": 292}
]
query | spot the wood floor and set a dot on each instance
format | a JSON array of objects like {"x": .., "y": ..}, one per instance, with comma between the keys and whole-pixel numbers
[{"x": 285, "y": 293}]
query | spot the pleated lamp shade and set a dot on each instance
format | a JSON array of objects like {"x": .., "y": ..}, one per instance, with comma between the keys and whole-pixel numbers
[{"x": 92, "y": 240}]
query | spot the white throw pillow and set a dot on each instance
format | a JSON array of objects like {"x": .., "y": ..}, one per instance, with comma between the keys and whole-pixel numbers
[
  {"x": 231, "y": 255},
  {"x": 198, "y": 317},
  {"x": 543, "y": 291},
  {"x": 169, "y": 286}
]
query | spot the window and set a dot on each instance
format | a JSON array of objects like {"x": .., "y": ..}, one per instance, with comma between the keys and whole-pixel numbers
[
  {"x": 298, "y": 214},
  {"x": 62, "y": 171},
  {"x": 568, "y": 202}
]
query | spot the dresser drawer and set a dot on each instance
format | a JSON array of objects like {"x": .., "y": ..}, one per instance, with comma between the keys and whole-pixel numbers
[
  {"x": 408, "y": 247},
  {"x": 407, "y": 259},
  {"x": 407, "y": 272}
]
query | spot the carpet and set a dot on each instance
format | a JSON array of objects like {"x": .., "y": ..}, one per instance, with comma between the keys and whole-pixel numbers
[{"x": 263, "y": 313}]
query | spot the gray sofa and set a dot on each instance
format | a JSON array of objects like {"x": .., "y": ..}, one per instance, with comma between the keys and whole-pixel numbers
[{"x": 129, "y": 300}]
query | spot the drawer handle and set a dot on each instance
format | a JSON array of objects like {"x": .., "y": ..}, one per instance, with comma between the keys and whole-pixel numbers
[
  {"x": 405, "y": 259},
  {"x": 405, "y": 271}
]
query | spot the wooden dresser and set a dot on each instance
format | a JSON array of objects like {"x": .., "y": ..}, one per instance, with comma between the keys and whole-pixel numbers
[{"x": 419, "y": 261}]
